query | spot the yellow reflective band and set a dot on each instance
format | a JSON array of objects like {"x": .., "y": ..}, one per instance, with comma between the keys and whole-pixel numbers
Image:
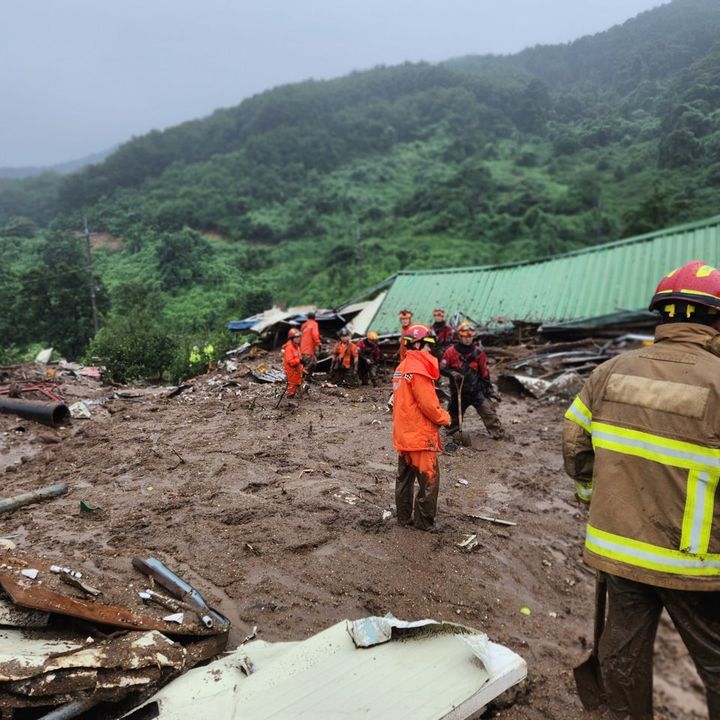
[
  {"x": 579, "y": 413},
  {"x": 665, "y": 451},
  {"x": 670, "y": 309},
  {"x": 697, "y": 292},
  {"x": 698, "y": 515},
  {"x": 583, "y": 490},
  {"x": 651, "y": 557}
]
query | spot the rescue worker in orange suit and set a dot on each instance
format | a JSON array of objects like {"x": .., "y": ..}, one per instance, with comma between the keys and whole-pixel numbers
[
  {"x": 405, "y": 322},
  {"x": 310, "y": 343},
  {"x": 444, "y": 334},
  {"x": 292, "y": 362},
  {"x": 465, "y": 363},
  {"x": 642, "y": 442},
  {"x": 370, "y": 358},
  {"x": 417, "y": 415},
  {"x": 344, "y": 365}
]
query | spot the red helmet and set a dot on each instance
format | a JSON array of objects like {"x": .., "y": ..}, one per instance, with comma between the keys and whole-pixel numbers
[
  {"x": 293, "y": 333},
  {"x": 418, "y": 333},
  {"x": 695, "y": 282}
]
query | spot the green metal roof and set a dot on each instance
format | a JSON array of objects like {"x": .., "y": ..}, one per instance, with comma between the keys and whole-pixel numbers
[{"x": 606, "y": 279}]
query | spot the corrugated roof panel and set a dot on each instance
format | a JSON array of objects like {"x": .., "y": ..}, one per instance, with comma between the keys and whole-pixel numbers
[{"x": 601, "y": 280}]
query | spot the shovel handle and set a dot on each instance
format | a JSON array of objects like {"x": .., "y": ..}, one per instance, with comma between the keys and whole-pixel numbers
[{"x": 600, "y": 606}]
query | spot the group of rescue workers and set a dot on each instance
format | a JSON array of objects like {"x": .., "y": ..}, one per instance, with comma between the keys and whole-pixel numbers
[
  {"x": 459, "y": 352},
  {"x": 642, "y": 442}
]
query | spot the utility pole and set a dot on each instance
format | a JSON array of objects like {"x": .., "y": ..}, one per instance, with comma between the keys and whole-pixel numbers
[{"x": 91, "y": 277}]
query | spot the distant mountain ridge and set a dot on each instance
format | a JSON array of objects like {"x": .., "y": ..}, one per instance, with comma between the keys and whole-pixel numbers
[{"x": 71, "y": 166}]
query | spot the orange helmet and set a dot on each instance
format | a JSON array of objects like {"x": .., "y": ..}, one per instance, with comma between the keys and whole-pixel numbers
[
  {"x": 466, "y": 329},
  {"x": 418, "y": 333},
  {"x": 293, "y": 333},
  {"x": 695, "y": 283},
  {"x": 372, "y": 336}
]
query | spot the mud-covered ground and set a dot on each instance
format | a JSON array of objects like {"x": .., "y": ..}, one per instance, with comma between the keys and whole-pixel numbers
[{"x": 276, "y": 516}]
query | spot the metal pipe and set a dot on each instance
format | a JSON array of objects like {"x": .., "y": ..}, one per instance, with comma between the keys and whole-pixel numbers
[
  {"x": 71, "y": 710},
  {"x": 47, "y": 413},
  {"x": 33, "y": 496}
]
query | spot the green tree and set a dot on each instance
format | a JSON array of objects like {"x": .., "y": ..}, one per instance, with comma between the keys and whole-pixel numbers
[
  {"x": 53, "y": 301},
  {"x": 134, "y": 348},
  {"x": 181, "y": 258}
]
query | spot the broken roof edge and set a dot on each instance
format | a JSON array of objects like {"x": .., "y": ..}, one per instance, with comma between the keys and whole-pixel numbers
[
  {"x": 375, "y": 288},
  {"x": 645, "y": 317},
  {"x": 713, "y": 220}
]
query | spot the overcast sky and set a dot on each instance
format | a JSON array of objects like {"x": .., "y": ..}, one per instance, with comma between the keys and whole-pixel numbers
[{"x": 79, "y": 76}]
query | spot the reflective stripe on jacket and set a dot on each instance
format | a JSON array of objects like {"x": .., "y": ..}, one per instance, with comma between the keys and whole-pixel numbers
[
  {"x": 642, "y": 442},
  {"x": 416, "y": 410}
]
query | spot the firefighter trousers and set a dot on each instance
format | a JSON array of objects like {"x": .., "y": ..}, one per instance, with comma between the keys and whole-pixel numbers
[
  {"x": 421, "y": 465},
  {"x": 485, "y": 409},
  {"x": 626, "y": 645}
]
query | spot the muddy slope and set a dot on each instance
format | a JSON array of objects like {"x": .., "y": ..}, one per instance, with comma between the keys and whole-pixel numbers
[{"x": 276, "y": 515}]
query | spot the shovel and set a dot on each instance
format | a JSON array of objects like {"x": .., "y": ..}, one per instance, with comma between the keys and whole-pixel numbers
[{"x": 588, "y": 679}]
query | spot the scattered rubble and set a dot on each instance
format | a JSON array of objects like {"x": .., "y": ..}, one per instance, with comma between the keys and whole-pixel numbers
[{"x": 248, "y": 504}]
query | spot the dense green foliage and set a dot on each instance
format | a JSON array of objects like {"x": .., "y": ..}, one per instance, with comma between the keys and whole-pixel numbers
[{"x": 314, "y": 191}]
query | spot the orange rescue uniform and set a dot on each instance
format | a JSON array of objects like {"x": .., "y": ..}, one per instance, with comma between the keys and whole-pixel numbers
[
  {"x": 310, "y": 339},
  {"x": 416, "y": 417},
  {"x": 345, "y": 353},
  {"x": 292, "y": 362}
]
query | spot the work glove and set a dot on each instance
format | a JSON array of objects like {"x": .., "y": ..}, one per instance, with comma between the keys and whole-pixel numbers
[{"x": 490, "y": 392}]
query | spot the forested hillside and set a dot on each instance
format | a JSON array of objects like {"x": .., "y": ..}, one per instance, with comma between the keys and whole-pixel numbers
[{"x": 313, "y": 191}]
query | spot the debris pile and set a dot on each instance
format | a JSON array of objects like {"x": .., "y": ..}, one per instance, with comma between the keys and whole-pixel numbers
[
  {"x": 556, "y": 369},
  {"x": 75, "y": 641}
]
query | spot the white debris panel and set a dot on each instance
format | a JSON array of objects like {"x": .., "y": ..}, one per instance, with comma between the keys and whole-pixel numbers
[{"x": 425, "y": 670}]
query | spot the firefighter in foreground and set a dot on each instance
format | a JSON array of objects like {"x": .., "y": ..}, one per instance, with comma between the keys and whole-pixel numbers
[
  {"x": 465, "y": 363},
  {"x": 642, "y": 442},
  {"x": 417, "y": 415},
  {"x": 292, "y": 362}
]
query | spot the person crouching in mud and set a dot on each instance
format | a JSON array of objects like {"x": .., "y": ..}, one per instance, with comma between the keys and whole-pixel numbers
[{"x": 417, "y": 415}]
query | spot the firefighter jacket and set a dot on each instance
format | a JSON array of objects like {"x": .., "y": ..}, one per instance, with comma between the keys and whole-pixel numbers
[
  {"x": 345, "y": 354},
  {"x": 642, "y": 442},
  {"x": 369, "y": 350},
  {"x": 471, "y": 361},
  {"x": 292, "y": 362},
  {"x": 416, "y": 411},
  {"x": 444, "y": 333},
  {"x": 310, "y": 338}
]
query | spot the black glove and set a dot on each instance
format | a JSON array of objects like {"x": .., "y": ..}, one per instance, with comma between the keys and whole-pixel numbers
[{"x": 489, "y": 391}]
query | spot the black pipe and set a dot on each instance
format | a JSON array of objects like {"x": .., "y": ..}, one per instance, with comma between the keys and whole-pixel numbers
[{"x": 47, "y": 413}]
